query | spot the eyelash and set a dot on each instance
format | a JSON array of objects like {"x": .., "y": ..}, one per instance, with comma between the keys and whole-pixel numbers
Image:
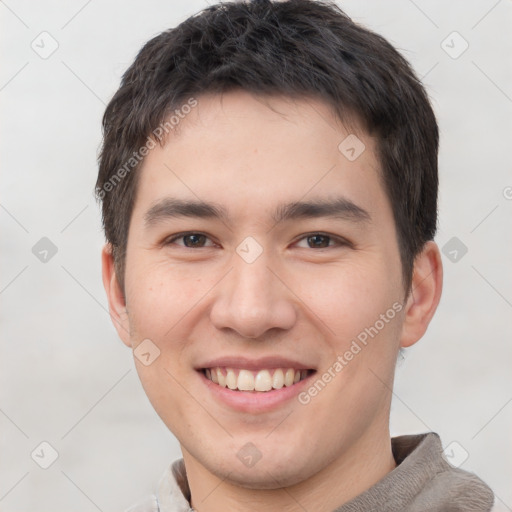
[{"x": 338, "y": 241}]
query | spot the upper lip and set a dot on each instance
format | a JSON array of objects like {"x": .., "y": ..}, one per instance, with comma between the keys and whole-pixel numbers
[{"x": 254, "y": 364}]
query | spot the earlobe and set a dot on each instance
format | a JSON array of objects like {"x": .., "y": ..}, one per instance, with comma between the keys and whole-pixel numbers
[
  {"x": 427, "y": 284},
  {"x": 116, "y": 299}
]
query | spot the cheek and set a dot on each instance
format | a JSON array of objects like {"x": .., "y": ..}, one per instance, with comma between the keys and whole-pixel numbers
[
  {"x": 159, "y": 297},
  {"x": 345, "y": 298},
  {"x": 160, "y": 302}
]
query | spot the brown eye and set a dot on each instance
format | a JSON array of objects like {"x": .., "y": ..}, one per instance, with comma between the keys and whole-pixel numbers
[
  {"x": 322, "y": 241},
  {"x": 194, "y": 240},
  {"x": 315, "y": 241},
  {"x": 189, "y": 240}
]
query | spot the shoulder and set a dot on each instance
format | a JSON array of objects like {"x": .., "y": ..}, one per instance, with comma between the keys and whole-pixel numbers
[
  {"x": 459, "y": 490},
  {"x": 438, "y": 485},
  {"x": 172, "y": 492}
]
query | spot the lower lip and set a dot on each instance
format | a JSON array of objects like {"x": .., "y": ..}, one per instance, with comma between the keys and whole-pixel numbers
[{"x": 255, "y": 402}]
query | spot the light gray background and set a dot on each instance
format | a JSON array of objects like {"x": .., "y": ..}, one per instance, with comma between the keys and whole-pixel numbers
[{"x": 68, "y": 380}]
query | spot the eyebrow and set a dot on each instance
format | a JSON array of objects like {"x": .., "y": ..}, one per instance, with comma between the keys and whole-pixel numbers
[
  {"x": 341, "y": 208},
  {"x": 169, "y": 208}
]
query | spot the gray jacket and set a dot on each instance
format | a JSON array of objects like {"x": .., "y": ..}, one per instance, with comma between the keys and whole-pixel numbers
[{"x": 422, "y": 482}]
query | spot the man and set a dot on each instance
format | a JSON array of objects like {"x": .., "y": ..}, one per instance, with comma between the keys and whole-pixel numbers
[{"x": 268, "y": 180}]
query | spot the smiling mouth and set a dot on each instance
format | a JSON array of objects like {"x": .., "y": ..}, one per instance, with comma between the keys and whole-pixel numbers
[{"x": 239, "y": 379}]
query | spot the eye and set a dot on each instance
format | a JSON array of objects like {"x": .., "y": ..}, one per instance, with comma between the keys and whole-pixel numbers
[
  {"x": 320, "y": 241},
  {"x": 190, "y": 240}
]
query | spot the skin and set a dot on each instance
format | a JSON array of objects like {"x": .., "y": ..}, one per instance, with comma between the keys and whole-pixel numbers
[{"x": 250, "y": 154}]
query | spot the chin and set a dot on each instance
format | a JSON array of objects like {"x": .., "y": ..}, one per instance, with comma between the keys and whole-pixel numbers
[
  {"x": 277, "y": 469},
  {"x": 266, "y": 477}
]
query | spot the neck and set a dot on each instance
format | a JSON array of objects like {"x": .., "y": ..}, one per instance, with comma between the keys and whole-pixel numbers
[{"x": 357, "y": 469}]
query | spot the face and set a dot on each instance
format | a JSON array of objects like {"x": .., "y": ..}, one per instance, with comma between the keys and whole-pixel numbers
[{"x": 258, "y": 248}]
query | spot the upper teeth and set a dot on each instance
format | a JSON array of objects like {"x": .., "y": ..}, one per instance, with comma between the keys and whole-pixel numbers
[{"x": 262, "y": 380}]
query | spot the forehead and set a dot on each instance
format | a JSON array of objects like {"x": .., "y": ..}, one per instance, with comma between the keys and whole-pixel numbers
[{"x": 250, "y": 153}]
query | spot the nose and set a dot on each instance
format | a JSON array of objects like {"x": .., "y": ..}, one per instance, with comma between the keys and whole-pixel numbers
[{"x": 252, "y": 300}]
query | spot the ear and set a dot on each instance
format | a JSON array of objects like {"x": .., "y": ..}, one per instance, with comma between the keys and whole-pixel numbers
[
  {"x": 423, "y": 299},
  {"x": 116, "y": 300}
]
